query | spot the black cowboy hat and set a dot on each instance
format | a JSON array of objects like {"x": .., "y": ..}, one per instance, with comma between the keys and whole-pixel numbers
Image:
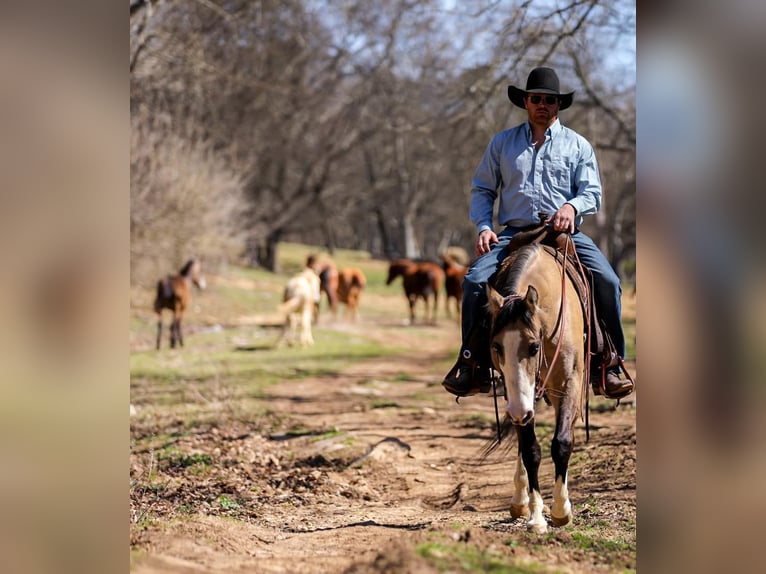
[{"x": 540, "y": 81}]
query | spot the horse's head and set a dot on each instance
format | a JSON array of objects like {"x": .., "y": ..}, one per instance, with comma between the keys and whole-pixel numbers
[
  {"x": 516, "y": 347},
  {"x": 396, "y": 268},
  {"x": 192, "y": 270}
]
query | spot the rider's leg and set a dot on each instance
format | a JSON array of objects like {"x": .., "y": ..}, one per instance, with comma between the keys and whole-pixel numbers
[
  {"x": 607, "y": 294},
  {"x": 470, "y": 374}
]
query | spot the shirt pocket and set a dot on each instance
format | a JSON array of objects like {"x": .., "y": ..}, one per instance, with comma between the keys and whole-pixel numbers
[{"x": 558, "y": 173}]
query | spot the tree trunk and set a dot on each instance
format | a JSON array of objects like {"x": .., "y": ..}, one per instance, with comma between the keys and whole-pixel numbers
[
  {"x": 385, "y": 239},
  {"x": 411, "y": 247},
  {"x": 262, "y": 251}
]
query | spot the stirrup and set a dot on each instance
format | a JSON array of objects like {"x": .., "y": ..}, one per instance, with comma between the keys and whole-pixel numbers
[{"x": 464, "y": 379}]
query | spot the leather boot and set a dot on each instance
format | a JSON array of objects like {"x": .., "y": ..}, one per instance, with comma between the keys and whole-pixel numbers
[
  {"x": 471, "y": 373},
  {"x": 467, "y": 378},
  {"x": 614, "y": 386}
]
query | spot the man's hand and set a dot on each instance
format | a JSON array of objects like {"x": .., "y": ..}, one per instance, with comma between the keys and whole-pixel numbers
[
  {"x": 563, "y": 219},
  {"x": 485, "y": 240}
]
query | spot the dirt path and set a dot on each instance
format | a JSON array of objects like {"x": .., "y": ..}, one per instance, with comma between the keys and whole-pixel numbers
[{"x": 384, "y": 462}]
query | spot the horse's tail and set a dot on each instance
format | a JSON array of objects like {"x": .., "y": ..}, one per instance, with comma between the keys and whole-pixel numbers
[
  {"x": 328, "y": 282},
  {"x": 434, "y": 281},
  {"x": 358, "y": 279}
]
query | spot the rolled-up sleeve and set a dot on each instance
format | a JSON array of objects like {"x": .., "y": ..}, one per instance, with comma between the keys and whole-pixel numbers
[
  {"x": 587, "y": 182},
  {"x": 484, "y": 185}
]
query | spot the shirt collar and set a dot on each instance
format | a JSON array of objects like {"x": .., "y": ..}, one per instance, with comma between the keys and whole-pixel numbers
[{"x": 551, "y": 131}]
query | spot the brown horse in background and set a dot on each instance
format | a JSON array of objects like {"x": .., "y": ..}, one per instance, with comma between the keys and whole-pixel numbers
[
  {"x": 328, "y": 281},
  {"x": 351, "y": 281},
  {"x": 421, "y": 281},
  {"x": 174, "y": 293},
  {"x": 454, "y": 273}
]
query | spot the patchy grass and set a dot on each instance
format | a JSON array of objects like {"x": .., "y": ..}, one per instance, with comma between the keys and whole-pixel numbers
[
  {"x": 383, "y": 403},
  {"x": 460, "y": 557}
]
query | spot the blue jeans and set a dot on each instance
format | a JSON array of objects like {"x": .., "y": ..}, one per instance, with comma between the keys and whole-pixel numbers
[{"x": 605, "y": 285}]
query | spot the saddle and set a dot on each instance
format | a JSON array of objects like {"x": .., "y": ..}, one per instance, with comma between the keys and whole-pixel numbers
[
  {"x": 558, "y": 245},
  {"x": 600, "y": 350}
]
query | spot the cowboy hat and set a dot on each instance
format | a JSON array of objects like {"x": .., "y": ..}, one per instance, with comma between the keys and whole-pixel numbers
[{"x": 540, "y": 81}]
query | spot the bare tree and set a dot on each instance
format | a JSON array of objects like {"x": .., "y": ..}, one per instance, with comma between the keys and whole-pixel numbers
[{"x": 359, "y": 124}]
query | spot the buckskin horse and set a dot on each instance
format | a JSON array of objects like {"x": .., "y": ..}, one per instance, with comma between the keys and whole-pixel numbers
[
  {"x": 174, "y": 293},
  {"x": 538, "y": 347},
  {"x": 421, "y": 281}
]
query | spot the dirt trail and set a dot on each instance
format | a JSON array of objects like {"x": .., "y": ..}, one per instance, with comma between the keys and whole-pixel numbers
[{"x": 386, "y": 462}]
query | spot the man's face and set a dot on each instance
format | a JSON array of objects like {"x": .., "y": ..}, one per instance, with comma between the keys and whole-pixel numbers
[{"x": 542, "y": 108}]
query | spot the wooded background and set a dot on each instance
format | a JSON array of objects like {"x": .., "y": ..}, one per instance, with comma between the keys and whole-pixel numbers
[{"x": 356, "y": 123}]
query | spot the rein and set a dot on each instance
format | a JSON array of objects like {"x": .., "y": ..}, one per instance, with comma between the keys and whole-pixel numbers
[
  {"x": 560, "y": 326},
  {"x": 540, "y": 388}
]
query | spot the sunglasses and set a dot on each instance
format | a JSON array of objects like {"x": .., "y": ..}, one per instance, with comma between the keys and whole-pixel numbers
[{"x": 549, "y": 100}]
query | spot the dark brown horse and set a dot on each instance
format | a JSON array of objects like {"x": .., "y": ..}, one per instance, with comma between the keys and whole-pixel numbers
[
  {"x": 174, "y": 293},
  {"x": 454, "y": 273},
  {"x": 421, "y": 281}
]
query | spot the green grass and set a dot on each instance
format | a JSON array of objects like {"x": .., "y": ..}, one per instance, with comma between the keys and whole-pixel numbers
[
  {"x": 223, "y": 372},
  {"x": 383, "y": 404},
  {"x": 451, "y": 557},
  {"x": 597, "y": 540}
]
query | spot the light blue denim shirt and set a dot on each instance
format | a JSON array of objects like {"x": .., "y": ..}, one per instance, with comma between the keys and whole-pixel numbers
[{"x": 563, "y": 170}]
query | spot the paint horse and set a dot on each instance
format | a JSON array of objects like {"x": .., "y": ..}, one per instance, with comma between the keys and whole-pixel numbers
[
  {"x": 537, "y": 344},
  {"x": 174, "y": 293},
  {"x": 421, "y": 281},
  {"x": 351, "y": 282},
  {"x": 454, "y": 273},
  {"x": 300, "y": 298}
]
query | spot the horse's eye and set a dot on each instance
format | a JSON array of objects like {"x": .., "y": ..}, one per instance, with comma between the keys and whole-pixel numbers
[
  {"x": 533, "y": 348},
  {"x": 497, "y": 348}
]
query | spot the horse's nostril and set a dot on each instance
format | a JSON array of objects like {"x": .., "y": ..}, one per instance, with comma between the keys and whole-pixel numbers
[{"x": 527, "y": 417}]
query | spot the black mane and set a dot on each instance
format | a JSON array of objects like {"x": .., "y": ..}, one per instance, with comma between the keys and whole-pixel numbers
[
  {"x": 506, "y": 282},
  {"x": 186, "y": 269}
]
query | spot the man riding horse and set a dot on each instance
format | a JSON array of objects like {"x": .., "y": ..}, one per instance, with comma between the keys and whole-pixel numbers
[{"x": 537, "y": 167}]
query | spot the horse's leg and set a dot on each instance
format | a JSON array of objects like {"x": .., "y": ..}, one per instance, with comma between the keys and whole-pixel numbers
[
  {"x": 531, "y": 456},
  {"x": 173, "y": 332},
  {"x": 561, "y": 449},
  {"x": 159, "y": 330},
  {"x": 411, "y": 299},
  {"x": 178, "y": 315},
  {"x": 520, "y": 502},
  {"x": 293, "y": 334},
  {"x": 306, "y": 338}
]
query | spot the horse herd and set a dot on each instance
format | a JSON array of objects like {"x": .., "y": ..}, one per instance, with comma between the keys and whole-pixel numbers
[
  {"x": 537, "y": 336},
  {"x": 421, "y": 280}
]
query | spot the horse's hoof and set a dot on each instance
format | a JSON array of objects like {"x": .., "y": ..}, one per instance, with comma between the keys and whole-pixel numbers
[
  {"x": 537, "y": 528},
  {"x": 520, "y": 511},
  {"x": 561, "y": 520}
]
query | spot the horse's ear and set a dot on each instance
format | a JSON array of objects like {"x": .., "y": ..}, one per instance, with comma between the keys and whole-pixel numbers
[
  {"x": 495, "y": 300},
  {"x": 531, "y": 298}
]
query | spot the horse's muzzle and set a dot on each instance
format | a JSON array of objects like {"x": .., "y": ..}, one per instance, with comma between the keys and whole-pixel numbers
[{"x": 528, "y": 416}]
